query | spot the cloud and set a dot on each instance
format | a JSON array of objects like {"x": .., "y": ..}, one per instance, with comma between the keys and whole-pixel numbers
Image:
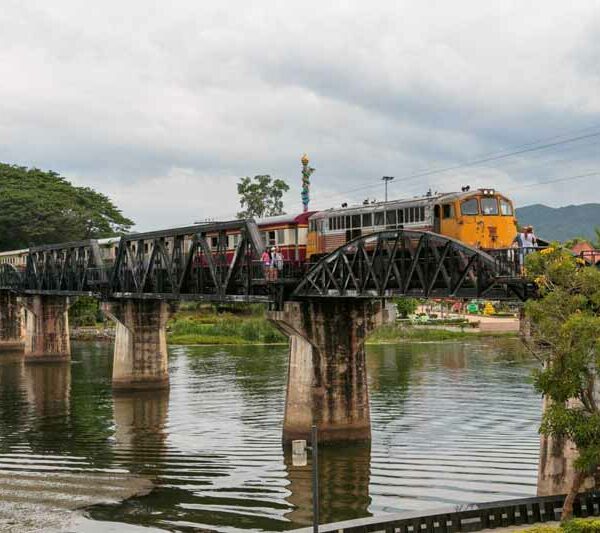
[{"x": 164, "y": 108}]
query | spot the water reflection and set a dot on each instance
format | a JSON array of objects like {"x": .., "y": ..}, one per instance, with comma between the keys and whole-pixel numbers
[
  {"x": 140, "y": 421},
  {"x": 451, "y": 422},
  {"x": 48, "y": 390},
  {"x": 344, "y": 476}
]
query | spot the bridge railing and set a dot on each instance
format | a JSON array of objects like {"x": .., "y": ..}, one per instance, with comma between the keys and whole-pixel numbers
[
  {"x": 510, "y": 261},
  {"x": 473, "y": 517}
]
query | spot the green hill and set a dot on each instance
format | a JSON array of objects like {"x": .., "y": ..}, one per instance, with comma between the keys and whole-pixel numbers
[{"x": 561, "y": 223}]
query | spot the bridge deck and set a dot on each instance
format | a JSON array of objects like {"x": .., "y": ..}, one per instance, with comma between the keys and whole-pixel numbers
[{"x": 380, "y": 265}]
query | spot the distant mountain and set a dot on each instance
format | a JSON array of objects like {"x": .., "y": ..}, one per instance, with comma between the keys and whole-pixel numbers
[{"x": 561, "y": 223}]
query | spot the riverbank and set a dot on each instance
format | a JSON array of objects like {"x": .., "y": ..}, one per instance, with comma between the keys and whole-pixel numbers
[{"x": 208, "y": 327}]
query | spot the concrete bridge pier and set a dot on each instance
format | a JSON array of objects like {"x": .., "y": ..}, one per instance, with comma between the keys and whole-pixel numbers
[
  {"x": 556, "y": 468},
  {"x": 140, "y": 359},
  {"x": 47, "y": 329},
  {"x": 327, "y": 376},
  {"x": 11, "y": 334}
]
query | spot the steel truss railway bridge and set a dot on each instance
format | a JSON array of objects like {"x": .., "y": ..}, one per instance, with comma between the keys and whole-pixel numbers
[{"x": 327, "y": 308}]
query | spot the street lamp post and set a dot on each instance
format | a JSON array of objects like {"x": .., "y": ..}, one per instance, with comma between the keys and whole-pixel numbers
[{"x": 386, "y": 179}]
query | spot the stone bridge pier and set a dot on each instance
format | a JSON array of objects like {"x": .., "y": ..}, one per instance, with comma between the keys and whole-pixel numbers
[
  {"x": 327, "y": 376},
  {"x": 11, "y": 321},
  {"x": 47, "y": 329},
  {"x": 140, "y": 358}
]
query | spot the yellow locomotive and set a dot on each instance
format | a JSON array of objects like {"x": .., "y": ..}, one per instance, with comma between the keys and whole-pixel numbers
[{"x": 482, "y": 218}]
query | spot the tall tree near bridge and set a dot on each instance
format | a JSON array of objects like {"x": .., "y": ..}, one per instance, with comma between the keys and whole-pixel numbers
[
  {"x": 565, "y": 327},
  {"x": 42, "y": 207},
  {"x": 261, "y": 196}
]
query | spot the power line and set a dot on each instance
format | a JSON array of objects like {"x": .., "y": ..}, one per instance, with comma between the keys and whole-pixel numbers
[
  {"x": 568, "y": 178},
  {"x": 486, "y": 159}
]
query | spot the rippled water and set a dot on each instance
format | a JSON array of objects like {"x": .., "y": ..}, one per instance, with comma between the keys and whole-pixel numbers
[{"x": 452, "y": 423}]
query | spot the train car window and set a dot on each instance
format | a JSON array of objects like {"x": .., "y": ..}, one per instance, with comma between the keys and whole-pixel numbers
[
  {"x": 356, "y": 221},
  {"x": 411, "y": 214},
  {"x": 333, "y": 223},
  {"x": 280, "y": 236},
  {"x": 145, "y": 247},
  {"x": 379, "y": 218},
  {"x": 390, "y": 217},
  {"x": 489, "y": 206},
  {"x": 347, "y": 222},
  {"x": 422, "y": 214},
  {"x": 214, "y": 241},
  {"x": 469, "y": 207},
  {"x": 505, "y": 207},
  {"x": 367, "y": 220},
  {"x": 448, "y": 211},
  {"x": 400, "y": 216}
]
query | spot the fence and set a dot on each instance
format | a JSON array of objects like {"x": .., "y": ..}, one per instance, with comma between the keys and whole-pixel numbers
[{"x": 467, "y": 518}]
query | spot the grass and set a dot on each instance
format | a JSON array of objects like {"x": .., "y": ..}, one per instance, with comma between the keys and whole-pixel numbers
[
  {"x": 188, "y": 328},
  {"x": 209, "y": 327},
  {"x": 391, "y": 333}
]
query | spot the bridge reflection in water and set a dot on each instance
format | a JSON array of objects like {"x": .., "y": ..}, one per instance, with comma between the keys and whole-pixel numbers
[{"x": 344, "y": 477}]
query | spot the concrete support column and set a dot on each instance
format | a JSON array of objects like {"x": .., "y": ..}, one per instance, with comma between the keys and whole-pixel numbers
[
  {"x": 327, "y": 376},
  {"x": 140, "y": 360},
  {"x": 47, "y": 329},
  {"x": 10, "y": 321}
]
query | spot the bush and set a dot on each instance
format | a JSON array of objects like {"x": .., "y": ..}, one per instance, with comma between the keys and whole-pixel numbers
[
  {"x": 406, "y": 306},
  {"x": 582, "y": 525},
  {"x": 84, "y": 312},
  {"x": 577, "y": 525}
]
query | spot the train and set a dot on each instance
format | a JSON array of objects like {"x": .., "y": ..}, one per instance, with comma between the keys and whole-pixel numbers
[{"x": 483, "y": 218}]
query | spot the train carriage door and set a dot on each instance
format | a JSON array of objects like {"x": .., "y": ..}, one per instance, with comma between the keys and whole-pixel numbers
[{"x": 437, "y": 226}]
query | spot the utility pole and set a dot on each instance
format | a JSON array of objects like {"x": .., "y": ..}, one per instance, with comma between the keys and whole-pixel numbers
[{"x": 385, "y": 180}]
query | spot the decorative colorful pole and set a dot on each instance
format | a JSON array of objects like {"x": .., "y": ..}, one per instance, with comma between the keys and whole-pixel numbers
[{"x": 306, "y": 172}]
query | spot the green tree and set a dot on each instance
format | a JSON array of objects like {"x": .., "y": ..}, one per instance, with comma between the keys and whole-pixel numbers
[
  {"x": 406, "y": 306},
  {"x": 596, "y": 242},
  {"x": 261, "y": 196},
  {"x": 565, "y": 328},
  {"x": 39, "y": 207},
  {"x": 575, "y": 240}
]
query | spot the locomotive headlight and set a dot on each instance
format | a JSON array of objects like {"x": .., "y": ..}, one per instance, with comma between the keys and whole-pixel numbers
[{"x": 488, "y": 192}]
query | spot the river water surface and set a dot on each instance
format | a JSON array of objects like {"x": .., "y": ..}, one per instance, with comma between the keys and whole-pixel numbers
[{"x": 453, "y": 422}]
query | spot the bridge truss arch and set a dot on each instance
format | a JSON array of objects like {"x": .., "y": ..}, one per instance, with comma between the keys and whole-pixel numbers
[{"x": 412, "y": 263}]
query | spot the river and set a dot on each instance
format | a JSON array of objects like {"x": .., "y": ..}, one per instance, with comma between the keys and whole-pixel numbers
[{"x": 452, "y": 422}]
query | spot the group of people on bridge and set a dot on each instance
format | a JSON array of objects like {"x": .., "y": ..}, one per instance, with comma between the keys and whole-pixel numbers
[{"x": 272, "y": 261}]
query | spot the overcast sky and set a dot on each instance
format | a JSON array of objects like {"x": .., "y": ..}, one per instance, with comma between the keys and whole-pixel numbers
[{"x": 165, "y": 105}]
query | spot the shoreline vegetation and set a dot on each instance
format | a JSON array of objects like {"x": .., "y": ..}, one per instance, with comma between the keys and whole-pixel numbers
[{"x": 247, "y": 325}]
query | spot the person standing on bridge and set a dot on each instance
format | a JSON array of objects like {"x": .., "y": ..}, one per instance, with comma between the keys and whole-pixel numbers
[
  {"x": 265, "y": 259},
  {"x": 277, "y": 259},
  {"x": 527, "y": 242}
]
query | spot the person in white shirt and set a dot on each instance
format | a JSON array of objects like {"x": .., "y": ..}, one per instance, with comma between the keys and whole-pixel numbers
[{"x": 527, "y": 242}]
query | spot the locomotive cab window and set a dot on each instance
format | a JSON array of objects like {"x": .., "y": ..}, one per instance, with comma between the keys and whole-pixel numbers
[
  {"x": 505, "y": 207},
  {"x": 469, "y": 207},
  {"x": 489, "y": 206}
]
